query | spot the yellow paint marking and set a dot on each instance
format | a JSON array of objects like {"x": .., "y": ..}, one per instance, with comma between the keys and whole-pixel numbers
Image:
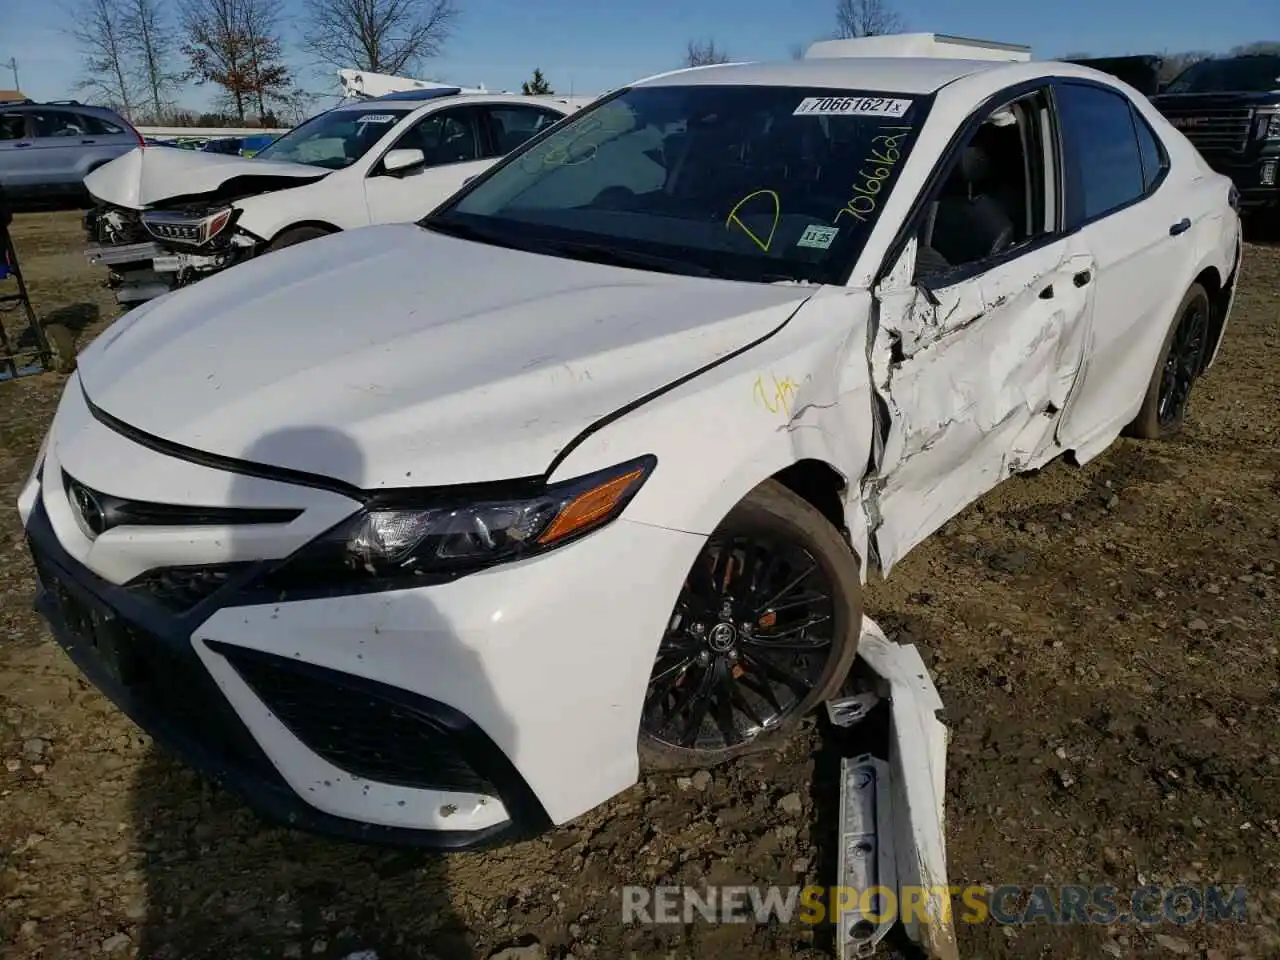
[{"x": 777, "y": 215}]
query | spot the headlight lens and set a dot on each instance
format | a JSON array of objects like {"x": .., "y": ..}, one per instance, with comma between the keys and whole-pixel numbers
[
  {"x": 1271, "y": 127},
  {"x": 392, "y": 543}
]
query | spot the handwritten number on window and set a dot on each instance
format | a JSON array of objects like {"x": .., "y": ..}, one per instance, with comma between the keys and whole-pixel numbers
[{"x": 876, "y": 170}]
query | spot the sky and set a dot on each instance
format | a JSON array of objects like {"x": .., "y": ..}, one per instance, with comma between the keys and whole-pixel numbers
[{"x": 586, "y": 48}]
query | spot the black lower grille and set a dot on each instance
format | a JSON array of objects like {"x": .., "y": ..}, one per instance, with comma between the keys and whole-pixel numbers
[
  {"x": 163, "y": 680},
  {"x": 368, "y": 729}
]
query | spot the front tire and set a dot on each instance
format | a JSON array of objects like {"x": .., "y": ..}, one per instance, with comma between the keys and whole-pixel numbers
[
  {"x": 296, "y": 235},
  {"x": 765, "y": 628},
  {"x": 1181, "y": 359}
]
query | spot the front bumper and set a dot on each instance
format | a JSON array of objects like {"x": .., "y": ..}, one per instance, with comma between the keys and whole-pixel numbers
[
  {"x": 448, "y": 716},
  {"x": 152, "y": 672}
]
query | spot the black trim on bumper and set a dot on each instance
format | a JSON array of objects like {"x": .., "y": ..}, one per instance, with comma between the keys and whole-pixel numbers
[{"x": 222, "y": 747}]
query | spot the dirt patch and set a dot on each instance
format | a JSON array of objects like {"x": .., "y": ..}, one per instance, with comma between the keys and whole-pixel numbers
[{"x": 1105, "y": 639}]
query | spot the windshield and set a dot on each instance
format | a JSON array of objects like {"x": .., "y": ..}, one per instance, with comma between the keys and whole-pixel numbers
[
  {"x": 335, "y": 139},
  {"x": 743, "y": 182},
  {"x": 1257, "y": 74}
]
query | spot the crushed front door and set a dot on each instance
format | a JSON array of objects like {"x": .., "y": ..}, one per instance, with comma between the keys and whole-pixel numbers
[{"x": 970, "y": 379}]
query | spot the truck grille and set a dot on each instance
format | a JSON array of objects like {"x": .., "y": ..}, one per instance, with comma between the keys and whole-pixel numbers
[{"x": 1226, "y": 131}]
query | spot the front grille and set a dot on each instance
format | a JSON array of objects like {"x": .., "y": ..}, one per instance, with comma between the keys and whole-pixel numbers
[
  {"x": 368, "y": 729},
  {"x": 106, "y": 511},
  {"x": 165, "y": 680},
  {"x": 1220, "y": 132},
  {"x": 181, "y": 588}
]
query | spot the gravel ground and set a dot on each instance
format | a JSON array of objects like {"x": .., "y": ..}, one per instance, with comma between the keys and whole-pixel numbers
[{"x": 1105, "y": 639}]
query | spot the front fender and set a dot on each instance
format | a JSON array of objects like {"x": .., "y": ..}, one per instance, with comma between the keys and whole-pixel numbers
[{"x": 803, "y": 394}]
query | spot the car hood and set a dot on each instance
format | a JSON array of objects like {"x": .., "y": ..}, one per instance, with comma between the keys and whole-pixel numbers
[
  {"x": 391, "y": 356},
  {"x": 148, "y": 175}
]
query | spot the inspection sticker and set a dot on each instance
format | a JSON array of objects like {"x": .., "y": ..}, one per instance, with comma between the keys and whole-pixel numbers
[
  {"x": 378, "y": 118},
  {"x": 851, "y": 107},
  {"x": 817, "y": 236}
]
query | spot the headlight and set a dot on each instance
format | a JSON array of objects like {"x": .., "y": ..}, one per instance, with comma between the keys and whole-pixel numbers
[
  {"x": 1269, "y": 126},
  {"x": 394, "y": 542}
]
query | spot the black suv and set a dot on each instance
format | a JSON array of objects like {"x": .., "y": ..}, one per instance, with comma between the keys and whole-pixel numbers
[{"x": 1229, "y": 107}]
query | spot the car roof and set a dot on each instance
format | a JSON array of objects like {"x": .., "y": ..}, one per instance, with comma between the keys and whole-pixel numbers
[
  {"x": 89, "y": 108},
  {"x": 913, "y": 75}
]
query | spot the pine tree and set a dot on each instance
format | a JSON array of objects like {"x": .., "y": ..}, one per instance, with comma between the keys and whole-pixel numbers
[{"x": 537, "y": 85}]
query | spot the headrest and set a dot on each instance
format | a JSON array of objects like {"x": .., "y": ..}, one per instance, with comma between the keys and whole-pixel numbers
[{"x": 974, "y": 164}]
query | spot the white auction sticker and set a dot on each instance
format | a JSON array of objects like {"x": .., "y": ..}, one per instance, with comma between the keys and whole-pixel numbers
[
  {"x": 378, "y": 118},
  {"x": 817, "y": 236},
  {"x": 851, "y": 107}
]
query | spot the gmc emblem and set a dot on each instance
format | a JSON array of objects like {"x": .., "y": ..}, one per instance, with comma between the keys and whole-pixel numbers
[{"x": 1188, "y": 121}]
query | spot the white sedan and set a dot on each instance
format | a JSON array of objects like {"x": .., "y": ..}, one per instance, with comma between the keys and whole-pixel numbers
[
  {"x": 438, "y": 533},
  {"x": 165, "y": 217}
]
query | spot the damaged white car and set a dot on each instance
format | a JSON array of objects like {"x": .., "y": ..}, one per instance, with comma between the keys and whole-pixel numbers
[
  {"x": 435, "y": 533},
  {"x": 164, "y": 218}
]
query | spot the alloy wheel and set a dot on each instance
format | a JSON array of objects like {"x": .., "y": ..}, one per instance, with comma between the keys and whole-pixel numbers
[
  {"x": 1182, "y": 364},
  {"x": 747, "y": 642}
]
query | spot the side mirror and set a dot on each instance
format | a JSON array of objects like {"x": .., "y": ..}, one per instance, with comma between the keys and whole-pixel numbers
[{"x": 401, "y": 161}]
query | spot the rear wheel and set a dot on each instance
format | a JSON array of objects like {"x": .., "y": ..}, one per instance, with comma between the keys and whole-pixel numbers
[
  {"x": 296, "y": 235},
  {"x": 1180, "y": 363},
  {"x": 765, "y": 628}
]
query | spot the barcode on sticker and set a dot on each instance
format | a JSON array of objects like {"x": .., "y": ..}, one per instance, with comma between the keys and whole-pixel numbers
[
  {"x": 851, "y": 107},
  {"x": 378, "y": 118}
]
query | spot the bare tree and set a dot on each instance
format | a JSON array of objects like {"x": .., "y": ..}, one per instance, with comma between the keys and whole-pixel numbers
[
  {"x": 701, "y": 53},
  {"x": 1174, "y": 63},
  {"x": 235, "y": 44},
  {"x": 866, "y": 18},
  {"x": 98, "y": 31},
  {"x": 797, "y": 51},
  {"x": 381, "y": 36},
  {"x": 149, "y": 38},
  {"x": 268, "y": 76},
  {"x": 1258, "y": 46}
]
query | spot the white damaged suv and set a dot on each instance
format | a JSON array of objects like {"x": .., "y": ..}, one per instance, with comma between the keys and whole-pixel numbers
[{"x": 434, "y": 534}]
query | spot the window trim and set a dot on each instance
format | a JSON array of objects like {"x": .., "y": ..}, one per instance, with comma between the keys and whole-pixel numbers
[
  {"x": 911, "y": 223},
  {"x": 1075, "y": 192}
]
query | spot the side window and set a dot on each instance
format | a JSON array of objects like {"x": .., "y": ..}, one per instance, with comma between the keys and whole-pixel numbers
[
  {"x": 513, "y": 125},
  {"x": 58, "y": 123},
  {"x": 1154, "y": 159},
  {"x": 95, "y": 126},
  {"x": 996, "y": 195},
  {"x": 446, "y": 136},
  {"x": 1102, "y": 148},
  {"x": 13, "y": 126}
]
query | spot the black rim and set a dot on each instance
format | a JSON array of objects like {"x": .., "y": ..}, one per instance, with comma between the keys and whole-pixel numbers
[
  {"x": 746, "y": 644},
  {"x": 1182, "y": 365}
]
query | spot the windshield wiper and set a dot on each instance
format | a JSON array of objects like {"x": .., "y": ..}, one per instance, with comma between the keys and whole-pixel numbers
[{"x": 621, "y": 257}]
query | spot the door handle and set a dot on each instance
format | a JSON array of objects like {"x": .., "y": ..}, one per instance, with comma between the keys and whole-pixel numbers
[
  {"x": 1182, "y": 226},
  {"x": 1083, "y": 277},
  {"x": 1047, "y": 293},
  {"x": 24, "y": 144},
  {"x": 88, "y": 141}
]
